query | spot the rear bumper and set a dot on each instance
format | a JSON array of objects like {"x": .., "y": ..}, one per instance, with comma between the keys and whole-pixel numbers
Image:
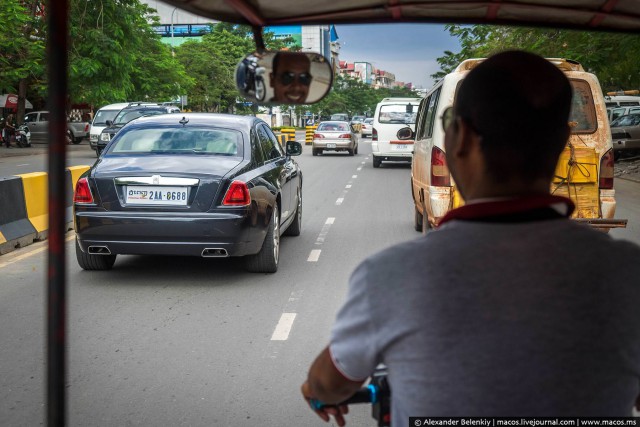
[
  {"x": 340, "y": 145},
  {"x": 626, "y": 144},
  {"x": 169, "y": 234}
]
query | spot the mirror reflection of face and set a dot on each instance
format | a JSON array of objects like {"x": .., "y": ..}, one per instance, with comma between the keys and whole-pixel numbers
[{"x": 291, "y": 78}]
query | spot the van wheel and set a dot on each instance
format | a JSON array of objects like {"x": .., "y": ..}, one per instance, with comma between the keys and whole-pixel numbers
[
  {"x": 350, "y": 152},
  {"x": 87, "y": 261},
  {"x": 314, "y": 151},
  {"x": 417, "y": 220},
  {"x": 77, "y": 141},
  {"x": 376, "y": 162}
]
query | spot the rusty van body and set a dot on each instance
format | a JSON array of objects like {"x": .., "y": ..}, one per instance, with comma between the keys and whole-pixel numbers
[{"x": 584, "y": 172}]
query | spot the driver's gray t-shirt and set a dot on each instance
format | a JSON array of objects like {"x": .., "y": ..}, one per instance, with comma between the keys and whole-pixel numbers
[{"x": 483, "y": 319}]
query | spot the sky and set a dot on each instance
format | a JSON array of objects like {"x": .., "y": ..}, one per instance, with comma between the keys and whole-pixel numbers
[{"x": 407, "y": 50}]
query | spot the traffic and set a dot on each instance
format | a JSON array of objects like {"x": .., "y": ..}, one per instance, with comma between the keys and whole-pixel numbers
[{"x": 169, "y": 324}]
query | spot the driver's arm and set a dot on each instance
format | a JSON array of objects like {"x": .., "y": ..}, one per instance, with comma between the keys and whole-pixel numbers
[{"x": 326, "y": 383}]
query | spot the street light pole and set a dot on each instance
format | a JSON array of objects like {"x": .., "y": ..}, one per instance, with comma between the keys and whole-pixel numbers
[{"x": 174, "y": 11}]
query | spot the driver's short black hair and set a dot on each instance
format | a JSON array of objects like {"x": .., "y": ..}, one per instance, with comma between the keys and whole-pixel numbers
[{"x": 519, "y": 104}]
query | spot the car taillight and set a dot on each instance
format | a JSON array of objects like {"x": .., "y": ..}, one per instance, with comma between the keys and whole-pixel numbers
[
  {"x": 237, "y": 195},
  {"x": 606, "y": 171},
  {"x": 439, "y": 169},
  {"x": 86, "y": 127},
  {"x": 345, "y": 135},
  {"x": 318, "y": 135},
  {"x": 374, "y": 134},
  {"x": 83, "y": 192}
]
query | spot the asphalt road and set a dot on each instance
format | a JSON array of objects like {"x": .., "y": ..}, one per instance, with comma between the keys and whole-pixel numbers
[
  {"x": 199, "y": 342},
  {"x": 194, "y": 342}
]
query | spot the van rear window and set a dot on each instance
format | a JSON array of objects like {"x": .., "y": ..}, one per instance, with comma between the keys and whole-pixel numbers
[
  {"x": 397, "y": 113},
  {"x": 583, "y": 112}
]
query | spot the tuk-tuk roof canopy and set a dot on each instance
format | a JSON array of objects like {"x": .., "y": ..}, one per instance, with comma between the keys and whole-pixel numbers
[{"x": 614, "y": 15}]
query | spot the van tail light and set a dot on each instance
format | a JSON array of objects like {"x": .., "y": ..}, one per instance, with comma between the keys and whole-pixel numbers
[
  {"x": 318, "y": 135},
  {"x": 345, "y": 135},
  {"x": 606, "y": 171},
  {"x": 374, "y": 134},
  {"x": 83, "y": 192},
  {"x": 440, "y": 176},
  {"x": 237, "y": 195}
]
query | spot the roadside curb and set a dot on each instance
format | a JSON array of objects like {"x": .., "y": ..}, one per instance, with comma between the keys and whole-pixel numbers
[{"x": 26, "y": 219}]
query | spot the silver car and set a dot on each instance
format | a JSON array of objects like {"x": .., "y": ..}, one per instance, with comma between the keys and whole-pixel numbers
[
  {"x": 334, "y": 136},
  {"x": 367, "y": 127},
  {"x": 625, "y": 134}
]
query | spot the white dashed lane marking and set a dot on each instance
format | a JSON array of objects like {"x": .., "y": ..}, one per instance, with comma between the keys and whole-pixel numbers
[
  {"x": 354, "y": 176},
  {"x": 281, "y": 333},
  {"x": 339, "y": 201},
  {"x": 314, "y": 255}
]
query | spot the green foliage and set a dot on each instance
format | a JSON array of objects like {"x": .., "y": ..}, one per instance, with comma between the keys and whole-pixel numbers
[
  {"x": 611, "y": 56},
  {"x": 23, "y": 46},
  {"x": 116, "y": 56}
]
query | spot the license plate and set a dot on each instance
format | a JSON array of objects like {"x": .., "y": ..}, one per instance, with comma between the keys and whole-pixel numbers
[
  {"x": 149, "y": 195},
  {"x": 401, "y": 147},
  {"x": 331, "y": 145}
]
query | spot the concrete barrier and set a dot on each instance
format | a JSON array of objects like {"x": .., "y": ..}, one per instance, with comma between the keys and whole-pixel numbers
[
  {"x": 310, "y": 130},
  {"x": 290, "y": 132},
  {"x": 24, "y": 216},
  {"x": 15, "y": 228}
]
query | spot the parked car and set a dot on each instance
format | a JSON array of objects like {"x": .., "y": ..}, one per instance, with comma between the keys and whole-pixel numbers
[
  {"x": 625, "y": 134},
  {"x": 197, "y": 184},
  {"x": 615, "y": 112},
  {"x": 367, "y": 127},
  {"x": 127, "y": 114},
  {"x": 38, "y": 124},
  {"x": 334, "y": 136},
  {"x": 104, "y": 114}
]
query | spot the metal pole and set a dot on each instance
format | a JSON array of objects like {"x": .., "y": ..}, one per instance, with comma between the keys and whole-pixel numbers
[{"x": 57, "y": 14}]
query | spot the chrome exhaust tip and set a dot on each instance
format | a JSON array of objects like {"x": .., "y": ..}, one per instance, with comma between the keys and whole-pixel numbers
[
  {"x": 98, "y": 250},
  {"x": 214, "y": 253}
]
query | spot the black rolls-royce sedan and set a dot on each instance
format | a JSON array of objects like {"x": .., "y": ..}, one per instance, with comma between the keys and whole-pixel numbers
[{"x": 197, "y": 184}]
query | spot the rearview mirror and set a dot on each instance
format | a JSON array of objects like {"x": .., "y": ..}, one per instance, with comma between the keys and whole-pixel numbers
[{"x": 284, "y": 77}]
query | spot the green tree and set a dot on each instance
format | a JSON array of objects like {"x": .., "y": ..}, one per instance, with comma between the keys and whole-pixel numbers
[
  {"x": 23, "y": 50},
  {"x": 212, "y": 63},
  {"x": 611, "y": 56},
  {"x": 116, "y": 56}
]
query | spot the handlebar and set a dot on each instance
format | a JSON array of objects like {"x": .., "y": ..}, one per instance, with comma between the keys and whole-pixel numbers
[
  {"x": 377, "y": 393},
  {"x": 368, "y": 394}
]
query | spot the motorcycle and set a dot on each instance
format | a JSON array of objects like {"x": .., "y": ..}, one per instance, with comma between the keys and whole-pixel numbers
[{"x": 23, "y": 136}]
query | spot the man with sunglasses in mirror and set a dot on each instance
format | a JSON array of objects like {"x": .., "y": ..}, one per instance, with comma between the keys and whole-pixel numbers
[
  {"x": 290, "y": 78},
  {"x": 509, "y": 308}
]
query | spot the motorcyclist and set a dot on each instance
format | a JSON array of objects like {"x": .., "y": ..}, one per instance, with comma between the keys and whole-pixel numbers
[{"x": 495, "y": 313}]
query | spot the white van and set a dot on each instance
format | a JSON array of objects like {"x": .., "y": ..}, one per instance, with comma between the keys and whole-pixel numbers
[
  {"x": 393, "y": 114},
  {"x": 585, "y": 168},
  {"x": 108, "y": 112}
]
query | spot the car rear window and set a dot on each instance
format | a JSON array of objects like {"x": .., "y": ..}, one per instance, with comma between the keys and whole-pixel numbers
[
  {"x": 124, "y": 116},
  {"x": 583, "y": 111},
  {"x": 629, "y": 120},
  {"x": 329, "y": 127},
  {"x": 102, "y": 116},
  {"x": 183, "y": 140},
  {"x": 397, "y": 113}
]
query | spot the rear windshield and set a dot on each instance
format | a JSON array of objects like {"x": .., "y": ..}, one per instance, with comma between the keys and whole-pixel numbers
[
  {"x": 183, "y": 140},
  {"x": 629, "y": 120},
  {"x": 397, "y": 113},
  {"x": 583, "y": 112},
  {"x": 125, "y": 116},
  {"x": 341, "y": 127},
  {"x": 339, "y": 117},
  {"x": 102, "y": 116}
]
